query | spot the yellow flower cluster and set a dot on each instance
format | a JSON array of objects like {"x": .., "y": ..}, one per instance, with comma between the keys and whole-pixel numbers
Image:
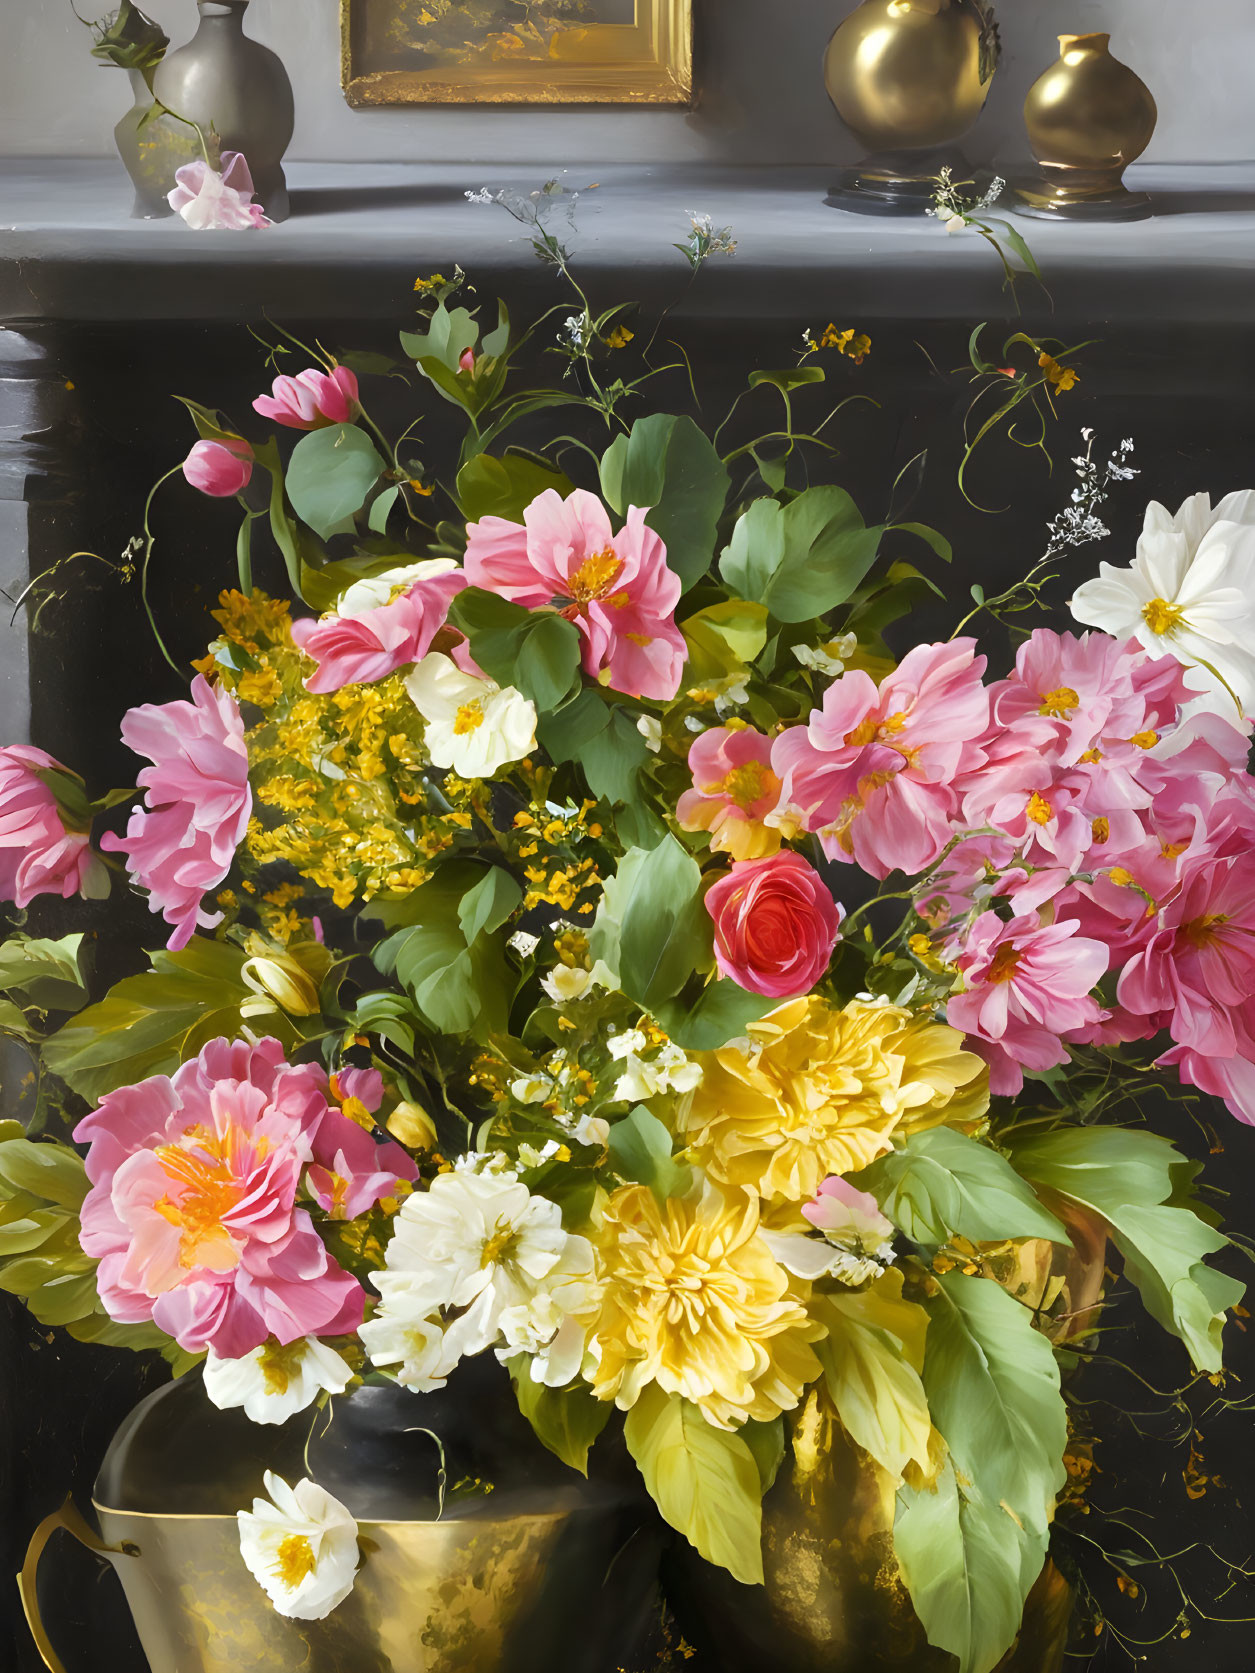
[
  {"x": 695, "y": 1301},
  {"x": 549, "y": 846},
  {"x": 823, "y": 1090}
]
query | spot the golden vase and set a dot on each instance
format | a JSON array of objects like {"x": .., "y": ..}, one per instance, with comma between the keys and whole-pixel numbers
[
  {"x": 909, "y": 78},
  {"x": 1088, "y": 118}
]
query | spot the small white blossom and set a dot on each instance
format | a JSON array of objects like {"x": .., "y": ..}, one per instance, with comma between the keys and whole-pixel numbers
[
  {"x": 630, "y": 1040},
  {"x": 523, "y": 944},
  {"x": 650, "y": 728},
  {"x": 565, "y": 983},
  {"x": 956, "y": 223},
  {"x": 483, "y": 195},
  {"x": 274, "y": 1382},
  {"x": 300, "y": 1546},
  {"x": 473, "y": 726},
  {"x": 830, "y": 658},
  {"x": 531, "y": 1089},
  {"x": 531, "y": 1157},
  {"x": 670, "y": 1071},
  {"x": 592, "y": 1130}
]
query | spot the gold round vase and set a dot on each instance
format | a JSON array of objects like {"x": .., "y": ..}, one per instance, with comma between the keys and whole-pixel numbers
[
  {"x": 909, "y": 78},
  {"x": 1088, "y": 118}
]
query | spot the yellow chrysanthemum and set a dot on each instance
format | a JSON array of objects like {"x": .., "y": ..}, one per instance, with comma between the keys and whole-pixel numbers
[
  {"x": 822, "y": 1091},
  {"x": 695, "y": 1301}
]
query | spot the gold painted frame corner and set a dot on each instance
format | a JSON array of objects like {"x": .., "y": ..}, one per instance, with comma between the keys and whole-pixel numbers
[{"x": 649, "y": 62}]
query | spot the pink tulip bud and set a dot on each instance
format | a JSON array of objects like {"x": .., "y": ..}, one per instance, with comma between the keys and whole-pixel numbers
[
  {"x": 222, "y": 468},
  {"x": 467, "y": 362},
  {"x": 311, "y": 400}
]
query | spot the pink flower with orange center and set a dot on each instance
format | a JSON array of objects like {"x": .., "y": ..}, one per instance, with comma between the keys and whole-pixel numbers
[{"x": 734, "y": 789}]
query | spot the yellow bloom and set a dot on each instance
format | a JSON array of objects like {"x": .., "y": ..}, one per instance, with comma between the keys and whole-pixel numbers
[
  {"x": 695, "y": 1301},
  {"x": 824, "y": 1091},
  {"x": 1062, "y": 377}
]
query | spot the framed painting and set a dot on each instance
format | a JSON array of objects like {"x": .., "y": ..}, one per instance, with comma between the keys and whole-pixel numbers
[{"x": 517, "y": 51}]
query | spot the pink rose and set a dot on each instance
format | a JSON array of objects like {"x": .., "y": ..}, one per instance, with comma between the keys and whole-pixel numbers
[
  {"x": 38, "y": 856},
  {"x": 775, "y": 925},
  {"x": 371, "y": 634},
  {"x": 311, "y": 400},
  {"x": 192, "y": 1213},
  {"x": 217, "y": 202},
  {"x": 222, "y": 468},
  {"x": 616, "y": 588},
  {"x": 197, "y": 803}
]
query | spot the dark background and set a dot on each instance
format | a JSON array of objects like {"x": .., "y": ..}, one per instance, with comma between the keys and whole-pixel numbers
[{"x": 1173, "y": 1472}]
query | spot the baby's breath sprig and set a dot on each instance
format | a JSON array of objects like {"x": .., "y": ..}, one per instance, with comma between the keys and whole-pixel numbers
[{"x": 957, "y": 211}]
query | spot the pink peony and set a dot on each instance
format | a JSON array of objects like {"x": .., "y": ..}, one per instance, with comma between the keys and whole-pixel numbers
[
  {"x": 38, "y": 855},
  {"x": 616, "y": 588},
  {"x": 350, "y": 1172},
  {"x": 734, "y": 789},
  {"x": 1026, "y": 984},
  {"x": 874, "y": 771},
  {"x": 775, "y": 925},
  {"x": 212, "y": 201},
  {"x": 221, "y": 468},
  {"x": 362, "y": 642},
  {"x": 197, "y": 803},
  {"x": 192, "y": 1213},
  {"x": 311, "y": 400}
]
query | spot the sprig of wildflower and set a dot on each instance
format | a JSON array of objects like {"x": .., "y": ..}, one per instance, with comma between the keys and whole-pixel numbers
[
  {"x": 853, "y": 344},
  {"x": 1013, "y": 389},
  {"x": 538, "y": 211},
  {"x": 705, "y": 240},
  {"x": 958, "y": 211}
]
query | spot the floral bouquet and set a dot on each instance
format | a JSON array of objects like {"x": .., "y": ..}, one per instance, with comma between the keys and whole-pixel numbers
[{"x": 587, "y": 944}]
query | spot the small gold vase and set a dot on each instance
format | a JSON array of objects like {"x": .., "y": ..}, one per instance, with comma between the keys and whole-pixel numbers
[
  {"x": 1088, "y": 118},
  {"x": 909, "y": 77}
]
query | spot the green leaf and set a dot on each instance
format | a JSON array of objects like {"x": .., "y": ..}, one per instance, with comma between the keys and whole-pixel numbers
[
  {"x": 723, "y": 639},
  {"x": 505, "y": 487},
  {"x": 801, "y": 559},
  {"x": 456, "y": 988},
  {"x": 569, "y": 729},
  {"x": 566, "y": 1420},
  {"x": 797, "y": 377},
  {"x": 330, "y": 475},
  {"x": 640, "y": 1149},
  {"x": 670, "y": 466},
  {"x": 612, "y": 758},
  {"x": 487, "y": 906},
  {"x": 720, "y": 1013},
  {"x": 150, "y": 1023},
  {"x": 51, "y": 1171},
  {"x": 381, "y": 510},
  {"x": 1139, "y": 1184},
  {"x": 302, "y": 554},
  {"x": 664, "y": 931},
  {"x": 44, "y": 973},
  {"x": 766, "y": 1441},
  {"x": 942, "y": 1184},
  {"x": 704, "y": 1481},
  {"x": 538, "y": 652},
  {"x": 450, "y": 332},
  {"x": 938, "y": 542}
]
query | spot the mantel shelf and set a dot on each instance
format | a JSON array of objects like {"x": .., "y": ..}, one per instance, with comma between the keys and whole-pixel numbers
[{"x": 360, "y": 233}]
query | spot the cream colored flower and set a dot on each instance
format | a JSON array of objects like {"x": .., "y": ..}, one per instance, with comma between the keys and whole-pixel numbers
[
  {"x": 406, "y": 1334},
  {"x": 276, "y": 1381},
  {"x": 300, "y": 1546},
  {"x": 566, "y": 982},
  {"x": 821, "y": 1091},
  {"x": 1189, "y": 593},
  {"x": 473, "y": 726},
  {"x": 695, "y": 1301},
  {"x": 671, "y": 1070}
]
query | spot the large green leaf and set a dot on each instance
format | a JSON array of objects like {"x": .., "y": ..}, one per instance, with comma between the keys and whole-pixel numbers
[
  {"x": 720, "y": 1013},
  {"x": 505, "y": 487},
  {"x": 488, "y": 904},
  {"x": 705, "y": 1481},
  {"x": 942, "y": 1184},
  {"x": 44, "y": 973},
  {"x": 801, "y": 559},
  {"x": 149, "y": 1024},
  {"x": 450, "y": 332},
  {"x": 536, "y": 651},
  {"x": 458, "y": 988},
  {"x": 566, "y": 1420},
  {"x": 1140, "y": 1185},
  {"x": 330, "y": 476},
  {"x": 664, "y": 932},
  {"x": 640, "y": 1149},
  {"x": 670, "y": 466},
  {"x": 49, "y": 1171},
  {"x": 872, "y": 1357}
]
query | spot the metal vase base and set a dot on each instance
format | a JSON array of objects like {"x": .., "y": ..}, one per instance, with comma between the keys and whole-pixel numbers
[{"x": 1058, "y": 194}]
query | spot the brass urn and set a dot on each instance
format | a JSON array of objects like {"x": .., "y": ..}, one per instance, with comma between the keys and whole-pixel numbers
[
  {"x": 909, "y": 78},
  {"x": 1088, "y": 118}
]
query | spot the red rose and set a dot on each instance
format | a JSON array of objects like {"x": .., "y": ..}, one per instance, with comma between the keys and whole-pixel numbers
[{"x": 775, "y": 925}]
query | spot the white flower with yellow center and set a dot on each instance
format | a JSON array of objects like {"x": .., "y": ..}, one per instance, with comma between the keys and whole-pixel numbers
[
  {"x": 672, "y": 1070},
  {"x": 566, "y": 983},
  {"x": 406, "y": 1335},
  {"x": 300, "y": 1546},
  {"x": 1189, "y": 593},
  {"x": 276, "y": 1381},
  {"x": 479, "y": 1246},
  {"x": 473, "y": 726}
]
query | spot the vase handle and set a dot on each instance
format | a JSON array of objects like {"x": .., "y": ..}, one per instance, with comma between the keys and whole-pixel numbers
[{"x": 69, "y": 1519}]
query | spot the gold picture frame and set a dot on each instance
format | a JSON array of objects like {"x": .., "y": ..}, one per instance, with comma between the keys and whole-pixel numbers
[{"x": 516, "y": 52}]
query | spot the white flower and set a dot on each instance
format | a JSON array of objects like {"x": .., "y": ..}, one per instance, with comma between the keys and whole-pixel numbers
[
  {"x": 274, "y": 1382},
  {"x": 592, "y": 1130},
  {"x": 406, "y": 1332},
  {"x": 631, "y": 1040},
  {"x": 650, "y": 728},
  {"x": 813, "y": 1258},
  {"x": 830, "y": 658},
  {"x": 483, "y": 195},
  {"x": 530, "y": 1157},
  {"x": 733, "y": 695},
  {"x": 1189, "y": 593},
  {"x": 300, "y": 1546},
  {"x": 670, "y": 1071},
  {"x": 955, "y": 223},
  {"x": 523, "y": 943},
  {"x": 474, "y": 726},
  {"x": 480, "y": 1241},
  {"x": 374, "y": 591},
  {"x": 565, "y": 983},
  {"x": 531, "y": 1089}
]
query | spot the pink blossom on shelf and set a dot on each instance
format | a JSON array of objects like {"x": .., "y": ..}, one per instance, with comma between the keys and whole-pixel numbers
[
  {"x": 182, "y": 842},
  {"x": 38, "y": 855},
  {"x": 734, "y": 790},
  {"x": 212, "y": 201},
  {"x": 1026, "y": 984},
  {"x": 363, "y": 641},
  {"x": 776, "y": 924},
  {"x": 192, "y": 1213},
  {"x": 616, "y": 588},
  {"x": 874, "y": 771},
  {"x": 350, "y": 1171},
  {"x": 221, "y": 468},
  {"x": 312, "y": 399}
]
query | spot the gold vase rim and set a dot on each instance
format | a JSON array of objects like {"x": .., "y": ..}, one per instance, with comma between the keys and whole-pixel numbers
[
  {"x": 362, "y": 1521},
  {"x": 1098, "y": 39}
]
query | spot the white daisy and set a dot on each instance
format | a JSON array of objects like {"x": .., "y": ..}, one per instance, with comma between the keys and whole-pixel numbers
[
  {"x": 473, "y": 726},
  {"x": 300, "y": 1546},
  {"x": 276, "y": 1381}
]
